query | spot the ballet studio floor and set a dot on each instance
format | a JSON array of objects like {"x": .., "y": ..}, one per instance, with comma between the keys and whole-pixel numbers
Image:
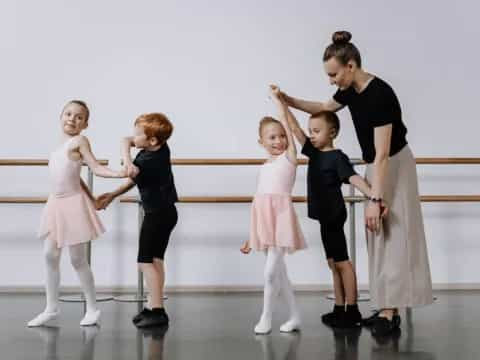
[{"x": 205, "y": 326}]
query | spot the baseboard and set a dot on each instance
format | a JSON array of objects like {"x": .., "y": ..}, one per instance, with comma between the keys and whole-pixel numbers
[{"x": 220, "y": 289}]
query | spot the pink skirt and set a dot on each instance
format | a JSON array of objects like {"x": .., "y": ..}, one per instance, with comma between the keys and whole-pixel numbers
[
  {"x": 70, "y": 220},
  {"x": 274, "y": 223}
]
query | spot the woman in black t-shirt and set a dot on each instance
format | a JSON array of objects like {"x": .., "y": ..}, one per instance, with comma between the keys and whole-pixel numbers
[{"x": 399, "y": 271}]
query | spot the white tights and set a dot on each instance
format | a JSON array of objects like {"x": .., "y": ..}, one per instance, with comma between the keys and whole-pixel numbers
[
  {"x": 79, "y": 261},
  {"x": 277, "y": 283},
  {"x": 78, "y": 258}
]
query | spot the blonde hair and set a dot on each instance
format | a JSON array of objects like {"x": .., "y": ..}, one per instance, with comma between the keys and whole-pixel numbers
[
  {"x": 266, "y": 120},
  {"x": 80, "y": 103}
]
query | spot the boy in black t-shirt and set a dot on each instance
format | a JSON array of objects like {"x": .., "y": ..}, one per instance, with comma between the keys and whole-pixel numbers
[
  {"x": 151, "y": 171},
  {"x": 328, "y": 169}
]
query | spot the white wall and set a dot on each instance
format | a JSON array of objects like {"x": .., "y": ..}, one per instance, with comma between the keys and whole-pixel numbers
[{"x": 207, "y": 64}]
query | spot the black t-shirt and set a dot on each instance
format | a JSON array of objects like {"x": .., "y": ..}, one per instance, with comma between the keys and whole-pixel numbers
[
  {"x": 155, "y": 179},
  {"x": 327, "y": 170},
  {"x": 377, "y": 105}
]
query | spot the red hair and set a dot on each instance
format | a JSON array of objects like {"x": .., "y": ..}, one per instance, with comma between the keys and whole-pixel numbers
[{"x": 155, "y": 125}]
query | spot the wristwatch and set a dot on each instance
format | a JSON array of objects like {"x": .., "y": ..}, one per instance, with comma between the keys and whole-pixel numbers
[{"x": 375, "y": 200}]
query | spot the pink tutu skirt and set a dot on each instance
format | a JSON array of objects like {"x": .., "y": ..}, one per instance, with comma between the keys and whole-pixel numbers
[
  {"x": 70, "y": 220},
  {"x": 274, "y": 223}
]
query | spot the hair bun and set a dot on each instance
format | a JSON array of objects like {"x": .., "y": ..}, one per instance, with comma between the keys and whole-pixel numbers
[{"x": 341, "y": 37}]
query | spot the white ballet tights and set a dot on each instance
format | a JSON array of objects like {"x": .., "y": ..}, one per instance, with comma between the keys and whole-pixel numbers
[
  {"x": 277, "y": 283},
  {"x": 78, "y": 258}
]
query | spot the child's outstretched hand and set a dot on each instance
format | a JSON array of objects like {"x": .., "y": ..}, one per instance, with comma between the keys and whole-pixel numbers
[
  {"x": 103, "y": 201},
  {"x": 245, "y": 249}
]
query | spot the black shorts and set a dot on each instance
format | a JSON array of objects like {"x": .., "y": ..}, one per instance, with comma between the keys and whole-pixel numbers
[
  {"x": 333, "y": 238},
  {"x": 155, "y": 232}
]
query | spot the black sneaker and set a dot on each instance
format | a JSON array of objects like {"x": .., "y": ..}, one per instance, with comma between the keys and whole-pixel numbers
[
  {"x": 384, "y": 327},
  {"x": 156, "y": 317},
  {"x": 140, "y": 315},
  {"x": 330, "y": 318},
  {"x": 349, "y": 319}
]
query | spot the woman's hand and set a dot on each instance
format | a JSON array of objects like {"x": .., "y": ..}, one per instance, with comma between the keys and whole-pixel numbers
[
  {"x": 383, "y": 210},
  {"x": 372, "y": 216}
]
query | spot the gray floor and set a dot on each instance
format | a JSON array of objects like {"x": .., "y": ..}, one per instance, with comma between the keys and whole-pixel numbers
[{"x": 221, "y": 327}]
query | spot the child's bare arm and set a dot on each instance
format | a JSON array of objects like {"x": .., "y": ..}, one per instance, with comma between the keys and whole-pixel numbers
[
  {"x": 98, "y": 169},
  {"x": 296, "y": 129},
  {"x": 87, "y": 190},
  {"x": 127, "y": 144},
  {"x": 360, "y": 184},
  {"x": 105, "y": 199},
  {"x": 122, "y": 189},
  {"x": 283, "y": 109},
  {"x": 364, "y": 188},
  {"x": 293, "y": 122}
]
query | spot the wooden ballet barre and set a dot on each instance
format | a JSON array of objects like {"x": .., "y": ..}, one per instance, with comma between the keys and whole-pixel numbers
[
  {"x": 33, "y": 162},
  {"x": 229, "y": 199},
  {"x": 22, "y": 200},
  {"x": 450, "y": 198},
  {"x": 349, "y": 199},
  {"x": 448, "y": 161},
  {"x": 246, "y": 199},
  {"x": 422, "y": 161}
]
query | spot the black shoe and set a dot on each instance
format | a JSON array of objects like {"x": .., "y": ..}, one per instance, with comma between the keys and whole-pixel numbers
[
  {"x": 368, "y": 322},
  {"x": 384, "y": 327},
  {"x": 330, "y": 318},
  {"x": 140, "y": 315},
  {"x": 349, "y": 319},
  {"x": 156, "y": 317}
]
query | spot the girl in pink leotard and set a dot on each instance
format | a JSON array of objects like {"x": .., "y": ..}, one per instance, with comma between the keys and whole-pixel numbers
[
  {"x": 69, "y": 218},
  {"x": 274, "y": 227}
]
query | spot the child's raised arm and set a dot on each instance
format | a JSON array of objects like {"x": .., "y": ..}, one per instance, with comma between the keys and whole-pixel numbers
[
  {"x": 98, "y": 169},
  {"x": 292, "y": 121},
  {"x": 127, "y": 144},
  {"x": 283, "y": 116},
  {"x": 296, "y": 129}
]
